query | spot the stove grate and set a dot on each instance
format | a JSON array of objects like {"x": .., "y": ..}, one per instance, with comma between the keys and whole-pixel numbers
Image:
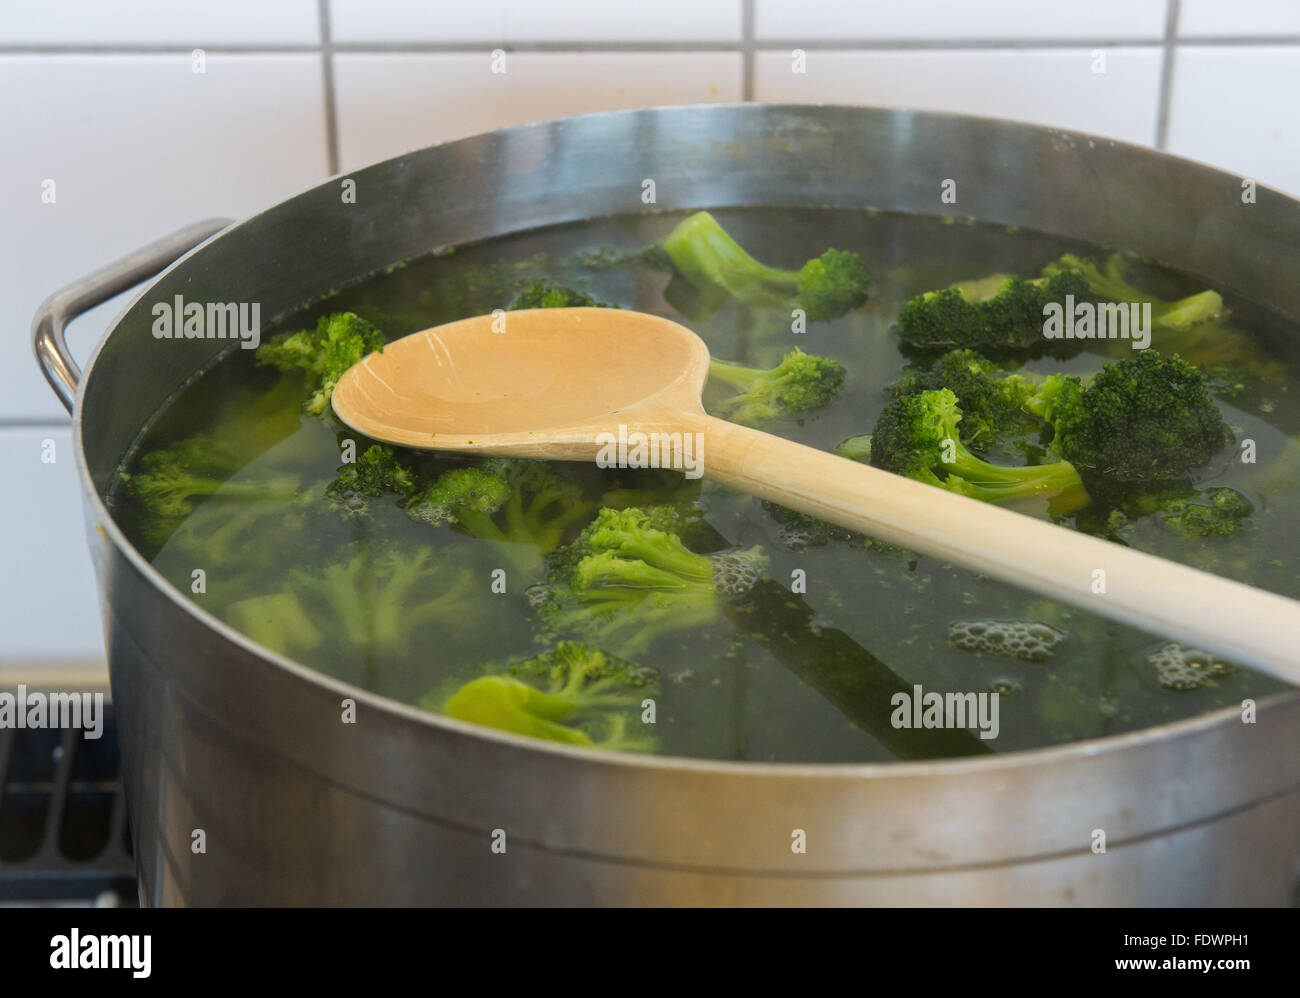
[{"x": 63, "y": 826}]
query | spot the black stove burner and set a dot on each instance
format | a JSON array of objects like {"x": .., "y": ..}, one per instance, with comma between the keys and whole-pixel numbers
[{"x": 63, "y": 829}]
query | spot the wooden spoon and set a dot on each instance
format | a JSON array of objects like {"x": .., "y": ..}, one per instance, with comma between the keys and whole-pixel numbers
[{"x": 548, "y": 383}]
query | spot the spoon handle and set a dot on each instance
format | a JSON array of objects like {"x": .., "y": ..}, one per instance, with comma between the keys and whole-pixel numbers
[{"x": 1245, "y": 625}]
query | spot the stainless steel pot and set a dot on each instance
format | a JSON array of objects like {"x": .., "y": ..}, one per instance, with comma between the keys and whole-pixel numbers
[{"x": 403, "y": 807}]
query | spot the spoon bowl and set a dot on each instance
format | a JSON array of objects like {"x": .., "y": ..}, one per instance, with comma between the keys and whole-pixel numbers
[{"x": 538, "y": 382}]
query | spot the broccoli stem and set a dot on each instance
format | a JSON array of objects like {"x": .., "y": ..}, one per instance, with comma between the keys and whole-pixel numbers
[
  {"x": 1110, "y": 283},
  {"x": 510, "y": 705},
  {"x": 735, "y": 375},
  {"x": 703, "y": 251},
  {"x": 665, "y": 554}
]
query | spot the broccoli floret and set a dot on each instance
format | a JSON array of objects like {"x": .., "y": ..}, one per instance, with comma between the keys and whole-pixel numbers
[
  {"x": 234, "y": 534},
  {"x": 323, "y": 353},
  {"x": 167, "y": 483},
  {"x": 526, "y": 506},
  {"x": 1142, "y": 420},
  {"x": 1110, "y": 284},
  {"x": 622, "y": 584},
  {"x": 709, "y": 259},
  {"x": 917, "y": 436},
  {"x": 574, "y": 693},
  {"x": 543, "y": 294},
  {"x": 276, "y": 621},
  {"x": 1215, "y": 512},
  {"x": 377, "y": 472},
  {"x": 801, "y": 382},
  {"x": 1196, "y": 327},
  {"x": 992, "y": 401},
  {"x": 1001, "y": 313},
  {"x": 377, "y": 596}
]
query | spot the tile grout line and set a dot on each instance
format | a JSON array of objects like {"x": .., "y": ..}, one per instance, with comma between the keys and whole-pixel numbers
[
  {"x": 327, "y": 84},
  {"x": 1168, "y": 58},
  {"x": 31, "y": 425},
  {"x": 747, "y": 50},
  {"x": 831, "y": 45}
]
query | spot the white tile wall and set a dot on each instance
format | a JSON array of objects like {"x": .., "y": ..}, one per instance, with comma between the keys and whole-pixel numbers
[
  {"x": 389, "y": 104},
  {"x": 50, "y": 612},
  {"x": 101, "y": 98},
  {"x": 1226, "y": 111},
  {"x": 137, "y": 145},
  {"x": 510, "y": 21},
  {"x": 159, "y": 22},
  {"x": 1046, "y": 86},
  {"x": 1240, "y": 18},
  {"x": 958, "y": 20}
]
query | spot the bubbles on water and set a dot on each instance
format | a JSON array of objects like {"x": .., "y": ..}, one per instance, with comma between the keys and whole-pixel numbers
[
  {"x": 735, "y": 572},
  {"x": 1181, "y": 668},
  {"x": 1027, "y": 640},
  {"x": 797, "y": 537}
]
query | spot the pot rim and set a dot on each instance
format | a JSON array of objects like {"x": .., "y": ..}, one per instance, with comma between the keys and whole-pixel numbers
[{"x": 1024, "y": 758}]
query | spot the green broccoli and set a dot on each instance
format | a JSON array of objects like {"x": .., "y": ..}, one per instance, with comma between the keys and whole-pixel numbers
[
  {"x": 378, "y": 595},
  {"x": 1196, "y": 327},
  {"x": 711, "y": 261},
  {"x": 526, "y": 506},
  {"x": 917, "y": 436},
  {"x": 375, "y": 473},
  {"x": 1140, "y": 421},
  {"x": 1110, "y": 284},
  {"x": 574, "y": 693},
  {"x": 544, "y": 294},
  {"x": 622, "y": 583},
  {"x": 801, "y": 382},
  {"x": 856, "y": 448},
  {"x": 1000, "y": 313},
  {"x": 276, "y": 621},
  {"x": 1214, "y": 512},
  {"x": 323, "y": 353},
  {"x": 671, "y": 502},
  {"x": 992, "y": 401},
  {"x": 234, "y": 533},
  {"x": 167, "y": 482}
]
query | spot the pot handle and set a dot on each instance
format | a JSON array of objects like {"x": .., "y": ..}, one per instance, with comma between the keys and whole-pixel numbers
[{"x": 60, "y": 370}]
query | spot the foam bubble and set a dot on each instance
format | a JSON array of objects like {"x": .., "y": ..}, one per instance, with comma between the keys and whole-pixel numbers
[
  {"x": 1027, "y": 640},
  {"x": 735, "y": 573},
  {"x": 1181, "y": 668}
]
